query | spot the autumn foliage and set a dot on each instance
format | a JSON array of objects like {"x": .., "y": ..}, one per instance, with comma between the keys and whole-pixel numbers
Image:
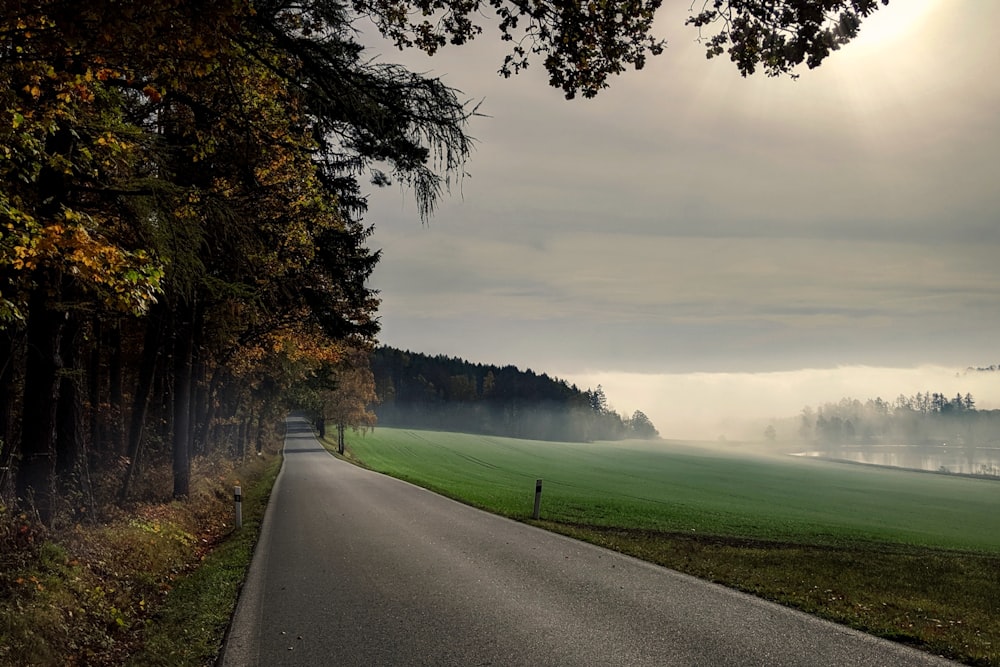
[{"x": 175, "y": 252}]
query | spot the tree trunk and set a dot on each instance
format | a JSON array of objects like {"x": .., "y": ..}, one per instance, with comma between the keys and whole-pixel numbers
[
  {"x": 200, "y": 408},
  {"x": 36, "y": 473},
  {"x": 72, "y": 467},
  {"x": 241, "y": 439},
  {"x": 182, "y": 407},
  {"x": 8, "y": 346},
  {"x": 259, "y": 440},
  {"x": 94, "y": 378},
  {"x": 116, "y": 431},
  {"x": 207, "y": 407},
  {"x": 199, "y": 371},
  {"x": 340, "y": 438},
  {"x": 140, "y": 401},
  {"x": 68, "y": 428}
]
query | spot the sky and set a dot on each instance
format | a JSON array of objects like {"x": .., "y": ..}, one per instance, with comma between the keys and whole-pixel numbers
[{"x": 711, "y": 248}]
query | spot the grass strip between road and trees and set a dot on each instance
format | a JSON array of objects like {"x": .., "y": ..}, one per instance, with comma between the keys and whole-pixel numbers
[
  {"x": 190, "y": 626},
  {"x": 155, "y": 586},
  {"x": 906, "y": 556}
]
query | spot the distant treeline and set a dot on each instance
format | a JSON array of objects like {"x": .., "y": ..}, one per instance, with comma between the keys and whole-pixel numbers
[
  {"x": 450, "y": 394},
  {"x": 992, "y": 368},
  {"x": 925, "y": 418}
]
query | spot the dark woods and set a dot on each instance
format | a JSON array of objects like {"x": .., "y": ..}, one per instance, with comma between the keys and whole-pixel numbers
[
  {"x": 180, "y": 234},
  {"x": 444, "y": 393}
]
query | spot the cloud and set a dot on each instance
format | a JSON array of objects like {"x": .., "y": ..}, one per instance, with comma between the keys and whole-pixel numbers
[
  {"x": 689, "y": 219},
  {"x": 742, "y": 301}
]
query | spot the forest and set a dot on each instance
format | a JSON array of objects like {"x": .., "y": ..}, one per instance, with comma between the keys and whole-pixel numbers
[
  {"x": 182, "y": 247},
  {"x": 446, "y": 393},
  {"x": 923, "y": 419}
]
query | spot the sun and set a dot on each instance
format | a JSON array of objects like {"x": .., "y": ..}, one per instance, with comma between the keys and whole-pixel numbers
[
  {"x": 897, "y": 21},
  {"x": 891, "y": 42}
]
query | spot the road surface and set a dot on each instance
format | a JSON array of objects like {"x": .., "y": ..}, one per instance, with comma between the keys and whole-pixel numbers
[{"x": 356, "y": 568}]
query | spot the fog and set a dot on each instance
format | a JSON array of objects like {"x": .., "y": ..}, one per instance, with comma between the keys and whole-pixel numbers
[{"x": 738, "y": 406}]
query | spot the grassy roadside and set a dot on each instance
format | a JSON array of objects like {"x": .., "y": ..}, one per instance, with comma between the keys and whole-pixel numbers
[
  {"x": 909, "y": 558},
  {"x": 945, "y": 602},
  {"x": 153, "y": 586},
  {"x": 189, "y": 628}
]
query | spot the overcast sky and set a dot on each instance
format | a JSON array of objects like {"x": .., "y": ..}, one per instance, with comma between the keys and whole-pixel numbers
[{"x": 690, "y": 237}]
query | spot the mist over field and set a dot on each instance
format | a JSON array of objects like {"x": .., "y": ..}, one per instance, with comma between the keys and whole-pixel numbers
[{"x": 738, "y": 406}]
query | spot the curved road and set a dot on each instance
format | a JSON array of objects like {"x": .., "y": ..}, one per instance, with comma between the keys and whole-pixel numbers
[{"x": 356, "y": 568}]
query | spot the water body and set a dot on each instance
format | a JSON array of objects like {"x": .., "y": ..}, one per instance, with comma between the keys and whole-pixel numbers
[{"x": 954, "y": 459}]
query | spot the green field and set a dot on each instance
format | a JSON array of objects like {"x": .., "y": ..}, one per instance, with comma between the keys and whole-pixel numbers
[
  {"x": 673, "y": 486},
  {"x": 910, "y": 556}
]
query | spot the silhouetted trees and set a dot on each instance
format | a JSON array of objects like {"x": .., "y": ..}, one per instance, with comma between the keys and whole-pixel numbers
[
  {"x": 446, "y": 393},
  {"x": 642, "y": 427}
]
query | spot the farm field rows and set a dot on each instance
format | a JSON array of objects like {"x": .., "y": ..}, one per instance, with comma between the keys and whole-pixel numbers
[{"x": 910, "y": 556}]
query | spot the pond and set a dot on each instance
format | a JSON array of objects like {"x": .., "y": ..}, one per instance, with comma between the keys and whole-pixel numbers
[{"x": 939, "y": 458}]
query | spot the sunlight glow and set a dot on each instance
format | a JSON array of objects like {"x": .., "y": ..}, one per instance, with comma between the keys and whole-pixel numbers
[
  {"x": 892, "y": 23},
  {"x": 888, "y": 69}
]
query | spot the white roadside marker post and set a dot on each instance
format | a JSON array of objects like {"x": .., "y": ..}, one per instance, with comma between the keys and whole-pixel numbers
[
  {"x": 238, "y": 497},
  {"x": 538, "y": 499}
]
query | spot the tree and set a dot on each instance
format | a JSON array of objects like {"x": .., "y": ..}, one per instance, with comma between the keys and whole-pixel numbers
[
  {"x": 642, "y": 427},
  {"x": 183, "y": 174},
  {"x": 598, "y": 401},
  {"x": 67, "y": 249},
  {"x": 342, "y": 394},
  {"x": 489, "y": 384},
  {"x": 806, "y": 423},
  {"x": 581, "y": 45},
  {"x": 782, "y": 34}
]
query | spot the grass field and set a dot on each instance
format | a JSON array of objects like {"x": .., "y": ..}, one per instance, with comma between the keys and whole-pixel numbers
[
  {"x": 682, "y": 487},
  {"x": 907, "y": 555}
]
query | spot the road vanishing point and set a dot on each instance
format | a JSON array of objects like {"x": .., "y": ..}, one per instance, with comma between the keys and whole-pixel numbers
[{"x": 357, "y": 568}]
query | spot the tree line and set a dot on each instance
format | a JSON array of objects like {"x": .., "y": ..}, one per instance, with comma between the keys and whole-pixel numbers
[
  {"x": 448, "y": 393},
  {"x": 992, "y": 368},
  {"x": 182, "y": 240},
  {"x": 926, "y": 418}
]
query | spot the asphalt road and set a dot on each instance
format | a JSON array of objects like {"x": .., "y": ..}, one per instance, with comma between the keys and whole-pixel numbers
[{"x": 356, "y": 568}]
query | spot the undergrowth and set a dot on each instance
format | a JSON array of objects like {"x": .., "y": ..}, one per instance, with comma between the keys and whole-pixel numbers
[{"x": 92, "y": 592}]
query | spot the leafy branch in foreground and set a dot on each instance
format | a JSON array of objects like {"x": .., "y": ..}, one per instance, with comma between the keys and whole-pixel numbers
[{"x": 779, "y": 36}]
